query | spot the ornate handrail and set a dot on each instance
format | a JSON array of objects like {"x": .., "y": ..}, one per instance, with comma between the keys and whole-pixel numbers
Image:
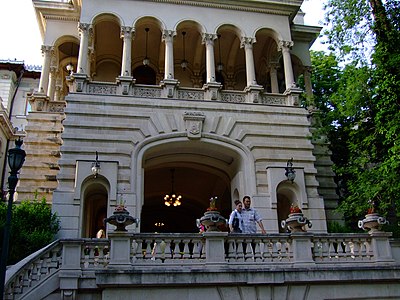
[{"x": 160, "y": 250}]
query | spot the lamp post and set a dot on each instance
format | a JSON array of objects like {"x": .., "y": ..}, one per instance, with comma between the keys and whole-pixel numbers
[{"x": 16, "y": 158}]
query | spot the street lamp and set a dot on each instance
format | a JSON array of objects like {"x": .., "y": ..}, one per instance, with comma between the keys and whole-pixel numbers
[{"x": 16, "y": 158}]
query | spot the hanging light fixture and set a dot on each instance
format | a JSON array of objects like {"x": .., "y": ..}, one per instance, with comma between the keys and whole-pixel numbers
[
  {"x": 146, "y": 60},
  {"x": 184, "y": 62},
  {"x": 70, "y": 66},
  {"x": 290, "y": 173},
  {"x": 173, "y": 198},
  {"x": 96, "y": 166},
  {"x": 220, "y": 66}
]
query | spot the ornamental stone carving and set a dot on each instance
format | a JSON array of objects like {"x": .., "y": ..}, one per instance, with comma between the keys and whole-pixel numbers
[{"x": 194, "y": 124}]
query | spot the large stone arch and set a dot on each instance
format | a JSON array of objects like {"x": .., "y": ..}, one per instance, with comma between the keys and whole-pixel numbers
[{"x": 210, "y": 167}]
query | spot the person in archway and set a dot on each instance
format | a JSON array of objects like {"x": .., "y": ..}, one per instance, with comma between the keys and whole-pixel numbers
[
  {"x": 235, "y": 219},
  {"x": 251, "y": 217}
]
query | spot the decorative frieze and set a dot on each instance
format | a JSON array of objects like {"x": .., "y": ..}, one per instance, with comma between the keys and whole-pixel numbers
[
  {"x": 273, "y": 100},
  {"x": 233, "y": 97},
  {"x": 102, "y": 89},
  {"x": 191, "y": 95},
  {"x": 146, "y": 92}
]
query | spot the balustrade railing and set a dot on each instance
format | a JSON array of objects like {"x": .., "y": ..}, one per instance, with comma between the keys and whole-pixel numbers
[
  {"x": 162, "y": 249},
  {"x": 185, "y": 93},
  {"x": 342, "y": 248}
]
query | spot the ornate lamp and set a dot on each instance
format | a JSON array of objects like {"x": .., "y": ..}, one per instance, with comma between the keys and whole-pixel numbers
[
  {"x": 70, "y": 66},
  {"x": 290, "y": 173},
  {"x": 96, "y": 166},
  {"x": 173, "y": 198},
  {"x": 220, "y": 66},
  {"x": 16, "y": 158},
  {"x": 146, "y": 60},
  {"x": 184, "y": 62}
]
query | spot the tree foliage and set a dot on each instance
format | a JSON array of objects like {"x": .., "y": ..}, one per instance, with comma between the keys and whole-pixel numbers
[
  {"x": 33, "y": 226},
  {"x": 360, "y": 101}
]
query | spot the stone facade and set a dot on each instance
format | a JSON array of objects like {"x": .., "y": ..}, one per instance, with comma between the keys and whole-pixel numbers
[{"x": 113, "y": 82}]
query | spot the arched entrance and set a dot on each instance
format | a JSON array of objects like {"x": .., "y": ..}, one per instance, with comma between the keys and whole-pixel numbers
[
  {"x": 286, "y": 197},
  {"x": 95, "y": 209},
  {"x": 196, "y": 183},
  {"x": 203, "y": 169}
]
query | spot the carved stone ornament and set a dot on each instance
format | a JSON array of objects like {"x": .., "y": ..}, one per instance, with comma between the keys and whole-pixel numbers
[{"x": 194, "y": 124}]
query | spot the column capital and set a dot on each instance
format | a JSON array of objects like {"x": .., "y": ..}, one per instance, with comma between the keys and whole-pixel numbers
[
  {"x": 285, "y": 45},
  {"x": 127, "y": 32},
  {"x": 247, "y": 42},
  {"x": 208, "y": 38},
  {"x": 84, "y": 27},
  {"x": 308, "y": 69},
  {"x": 273, "y": 66},
  {"x": 47, "y": 49},
  {"x": 168, "y": 35}
]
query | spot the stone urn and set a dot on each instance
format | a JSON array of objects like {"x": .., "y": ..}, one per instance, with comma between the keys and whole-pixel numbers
[
  {"x": 373, "y": 222},
  {"x": 212, "y": 220},
  {"x": 296, "y": 222},
  {"x": 121, "y": 218}
]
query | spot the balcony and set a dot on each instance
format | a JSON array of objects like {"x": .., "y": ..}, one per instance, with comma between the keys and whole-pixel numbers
[
  {"x": 212, "y": 259},
  {"x": 171, "y": 89}
]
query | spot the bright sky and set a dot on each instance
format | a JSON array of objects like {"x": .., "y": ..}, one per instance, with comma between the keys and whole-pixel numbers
[{"x": 20, "y": 37}]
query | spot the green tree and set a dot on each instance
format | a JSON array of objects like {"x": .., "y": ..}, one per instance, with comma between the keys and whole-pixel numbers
[
  {"x": 33, "y": 226},
  {"x": 363, "y": 119}
]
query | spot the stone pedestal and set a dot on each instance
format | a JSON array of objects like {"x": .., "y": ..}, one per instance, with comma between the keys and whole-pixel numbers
[
  {"x": 211, "y": 90},
  {"x": 125, "y": 83},
  {"x": 253, "y": 93},
  {"x": 169, "y": 86}
]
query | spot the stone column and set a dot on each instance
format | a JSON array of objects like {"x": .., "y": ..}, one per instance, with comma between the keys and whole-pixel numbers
[
  {"x": 247, "y": 43},
  {"x": 284, "y": 46},
  {"x": 83, "y": 48},
  {"x": 307, "y": 81},
  {"x": 208, "y": 40},
  {"x": 52, "y": 82},
  {"x": 127, "y": 34},
  {"x": 168, "y": 38},
  {"x": 169, "y": 83},
  {"x": 253, "y": 89},
  {"x": 44, "y": 78},
  {"x": 273, "y": 72}
]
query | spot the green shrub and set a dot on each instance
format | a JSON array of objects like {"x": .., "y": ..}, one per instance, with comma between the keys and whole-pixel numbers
[{"x": 33, "y": 226}]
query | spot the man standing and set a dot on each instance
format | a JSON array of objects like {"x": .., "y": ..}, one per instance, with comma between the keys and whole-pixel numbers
[{"x": 250, "y": 217}]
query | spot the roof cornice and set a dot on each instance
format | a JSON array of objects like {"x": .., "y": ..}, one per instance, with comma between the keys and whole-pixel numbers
[
  {"x": 54, "y": 10},
  {"x": 277, "y": 7}
]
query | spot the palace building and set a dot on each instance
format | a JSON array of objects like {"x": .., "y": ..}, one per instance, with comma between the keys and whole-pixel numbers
[{"x": 140, "y": 101}]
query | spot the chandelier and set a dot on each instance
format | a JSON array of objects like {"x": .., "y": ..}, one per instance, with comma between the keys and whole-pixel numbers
[
  {"x": 173, "y": 198},
  {"x": 146, "y": 60},
  {"x": 184, "y": 62}
]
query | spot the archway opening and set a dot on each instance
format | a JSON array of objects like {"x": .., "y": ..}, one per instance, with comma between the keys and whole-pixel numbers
[
  {"x": 95, "y": 209},
  {"x": 201, "y": 171},
  {"x": 286, "y": 198}
]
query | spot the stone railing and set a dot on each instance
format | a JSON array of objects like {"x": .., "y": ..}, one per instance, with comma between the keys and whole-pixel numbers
[
  {"x": 47, "y": 262},
  {"x": 66, "y": 261},
  {"x": 129, "y": 88}
]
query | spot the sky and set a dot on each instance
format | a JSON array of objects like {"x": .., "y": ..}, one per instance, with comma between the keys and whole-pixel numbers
[{"x": 20, "y": 37}]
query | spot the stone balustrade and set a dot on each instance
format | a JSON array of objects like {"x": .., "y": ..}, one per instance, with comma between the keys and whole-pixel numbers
[
  {"x": 184, "y": 93},
  {"x": 65, "y": 262}
]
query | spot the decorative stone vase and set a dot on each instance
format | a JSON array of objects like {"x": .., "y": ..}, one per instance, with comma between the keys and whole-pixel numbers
[
  {"x": 296, "y": 222},
  {"x": 121, "y": 219},
  {"x": 372, "y": 222},
  {"x": 212, "y": 220}
]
